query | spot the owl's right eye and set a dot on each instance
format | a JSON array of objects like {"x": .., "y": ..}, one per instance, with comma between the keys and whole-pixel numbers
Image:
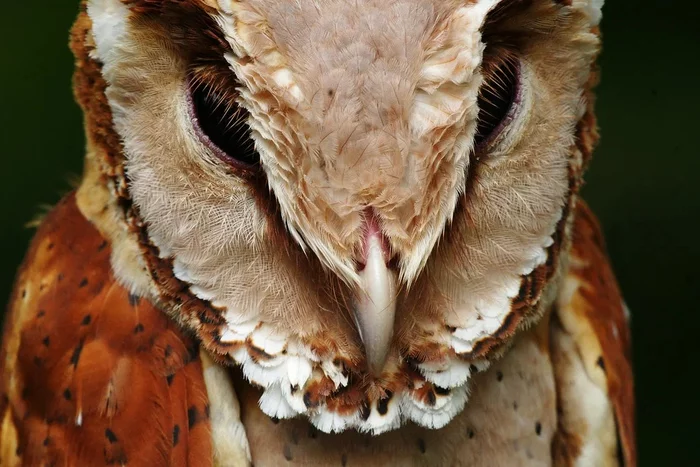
[
  {"x": 221, "y": 125},
  {"x": 498, "y": 96}
]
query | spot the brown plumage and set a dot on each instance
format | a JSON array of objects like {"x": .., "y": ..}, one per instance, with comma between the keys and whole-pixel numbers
[
  {"x": 369, "y": 209},
  {"x": 93, "y": 375}
]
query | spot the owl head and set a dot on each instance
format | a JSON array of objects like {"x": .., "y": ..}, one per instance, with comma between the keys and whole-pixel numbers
[{"x": 359, "y": 203}]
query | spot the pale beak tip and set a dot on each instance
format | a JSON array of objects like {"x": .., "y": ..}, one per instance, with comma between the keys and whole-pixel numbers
[{"x": 375, "y": 305}]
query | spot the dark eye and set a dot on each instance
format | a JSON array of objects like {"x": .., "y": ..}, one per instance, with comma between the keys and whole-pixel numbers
[
  {"x": 498, "y": 94},
  {"x": 221, "y": 125}
]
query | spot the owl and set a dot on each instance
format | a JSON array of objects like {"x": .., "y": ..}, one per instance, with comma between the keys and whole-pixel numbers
[{"x": 324, "y": 232}]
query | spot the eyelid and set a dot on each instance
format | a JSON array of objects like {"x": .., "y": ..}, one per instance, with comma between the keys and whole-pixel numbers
[
  {"x": 515, "y": 99},
  {"x": 241, "y": 166},
  {"x": 518, "y": 118}
]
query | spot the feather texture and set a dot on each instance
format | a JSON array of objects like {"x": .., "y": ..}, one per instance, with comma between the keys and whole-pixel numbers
[
  {"x": 223, "y": 252},
  {"x": 561, "y": 396},
  {"x": 453, "y": 135},
  {"x": 93, "y": 375},
  {"x": 596, "y": 400}
]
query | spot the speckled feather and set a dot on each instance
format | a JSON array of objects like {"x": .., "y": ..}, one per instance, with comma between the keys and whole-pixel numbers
[
  {"x": 591, "y": 312},
  {"x": 499, "y": 328},
  {"x": 92, "y": 375}
]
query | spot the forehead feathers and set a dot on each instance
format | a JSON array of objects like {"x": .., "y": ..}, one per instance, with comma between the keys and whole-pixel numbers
[{"x": 356, "y": 105}]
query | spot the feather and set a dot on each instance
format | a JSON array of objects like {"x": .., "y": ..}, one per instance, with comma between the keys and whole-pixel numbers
[{"x": 87, "y": 366}]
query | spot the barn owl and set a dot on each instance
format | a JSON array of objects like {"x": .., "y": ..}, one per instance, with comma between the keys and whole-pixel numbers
[{"x": 324, "y": 232}]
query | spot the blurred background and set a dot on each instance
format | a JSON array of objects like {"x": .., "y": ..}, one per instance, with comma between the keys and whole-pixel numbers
[{"x": 643, "y": 182}]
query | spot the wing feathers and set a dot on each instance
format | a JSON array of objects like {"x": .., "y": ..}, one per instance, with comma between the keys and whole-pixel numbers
[
  {"x": 591, "y": 316},
  {"x": 91, "y": 374}
]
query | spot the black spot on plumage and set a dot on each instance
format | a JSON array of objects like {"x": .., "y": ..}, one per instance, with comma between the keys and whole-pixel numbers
[
  {"x": 207, "y": 411},
  {"x": 176, "y": 435},
  {"x": 134, "y": 300},
  {"x": 111, "y": 437},
  {"x": 168, "y": 350},
  {"x": 601, "y": 363},
  {"x": 287, "y": 452},
  {"x": 274, "y": 420},
  {"x": 421, "y": 445},
  {"x": 431, "y": 398},
  {"x": 38, "y": 361},
  {"x": 538, "y": 428},
  {"x": 139, "y": 328},
  {"x": 24, "y": 293},
  {"x": 192, "y": 352},
  {"x": 473, "y": 369},
  {"x": 76, "y": 354},
  {"x": 313, "y": 432},
  {"x": 87, "y": 319},
  {"x": 470, "y": 433},
  {"x": 41, "y": 314},
  {"x": 46, "y": 441},
  {"x": 46, "y": 341},
  {"x": 60, "y": 276},
  {"x": 67, "y": 395},
  {"x": 102, "y": 246},
  {"x": 83, "y": 282},
  {"x": 192, "y": 416},
  {"x": 169, "y": 379},
  {"x": 499, "y": 375}
]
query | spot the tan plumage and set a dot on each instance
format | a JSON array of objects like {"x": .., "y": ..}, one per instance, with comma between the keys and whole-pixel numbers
[{"x": 402, "y": 252}]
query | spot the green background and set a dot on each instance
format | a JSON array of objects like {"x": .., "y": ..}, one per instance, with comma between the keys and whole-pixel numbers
[{"x": 643, "y": 182}]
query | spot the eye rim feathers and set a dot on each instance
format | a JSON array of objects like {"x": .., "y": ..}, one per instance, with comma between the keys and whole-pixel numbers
[
  {"x": 245, "y": 164},
  {"x": 503, "y": 55},
  {"x": 502, "y": 71}
]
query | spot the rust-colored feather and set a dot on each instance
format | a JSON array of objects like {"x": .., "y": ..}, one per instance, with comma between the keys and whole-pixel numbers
[
  {"x": 594, "y": 316},
  {"x": 91, "y": 374}
]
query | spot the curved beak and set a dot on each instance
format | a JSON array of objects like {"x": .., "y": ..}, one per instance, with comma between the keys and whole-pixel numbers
[{"x": 375, "y": 303}]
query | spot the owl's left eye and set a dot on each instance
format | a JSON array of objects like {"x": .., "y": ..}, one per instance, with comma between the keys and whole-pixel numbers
[
  {"x": 221, "y": 125},
  {"x": 498, "y": 96}
]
